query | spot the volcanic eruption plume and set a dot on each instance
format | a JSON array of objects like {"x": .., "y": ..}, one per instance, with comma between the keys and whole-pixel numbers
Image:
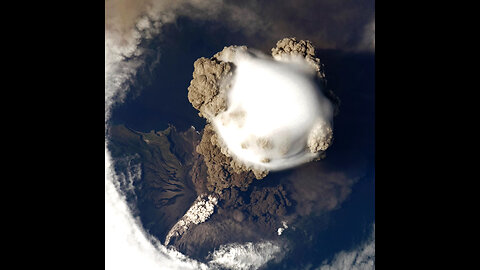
[
  {"x": 171, "y": 191},
  {"x": 264, "y": 113}
]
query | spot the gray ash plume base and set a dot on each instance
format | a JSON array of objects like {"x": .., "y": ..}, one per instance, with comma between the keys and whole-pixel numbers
[
  {"x": 235, "y": 143},
  {"x": 194, "y": 194}
]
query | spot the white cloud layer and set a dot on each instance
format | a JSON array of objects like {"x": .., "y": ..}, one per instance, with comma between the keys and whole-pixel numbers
[{"x": 246, "y": 256}]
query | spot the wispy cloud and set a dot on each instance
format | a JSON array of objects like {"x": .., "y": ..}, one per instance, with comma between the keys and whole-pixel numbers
[
  {"x": 361, "y": 258},
  {"x": 247, "y": 256}
]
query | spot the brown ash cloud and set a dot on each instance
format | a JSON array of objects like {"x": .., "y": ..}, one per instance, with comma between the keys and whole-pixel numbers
[{"x": 208, "y": 93}]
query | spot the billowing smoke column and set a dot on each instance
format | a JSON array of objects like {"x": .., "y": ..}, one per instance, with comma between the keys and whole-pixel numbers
[{"x": 267, "y": 113}]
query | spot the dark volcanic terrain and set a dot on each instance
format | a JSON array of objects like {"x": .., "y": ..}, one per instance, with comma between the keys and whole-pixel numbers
[{"x": 171, "y": 174}]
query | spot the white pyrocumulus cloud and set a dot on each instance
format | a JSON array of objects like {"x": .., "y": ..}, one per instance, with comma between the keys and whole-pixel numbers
[{"x": 277, "y": 117}]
